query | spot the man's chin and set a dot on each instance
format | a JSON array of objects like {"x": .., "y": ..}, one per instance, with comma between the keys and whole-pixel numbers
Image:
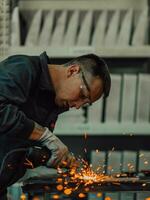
[
  {"x": 58, "y": 103},
  {"x": 62, "y": 104},
  {"x": 66, "y": 106}
]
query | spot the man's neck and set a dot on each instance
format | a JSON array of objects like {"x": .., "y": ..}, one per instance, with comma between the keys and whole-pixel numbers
[{"x": 55, "y": 72}]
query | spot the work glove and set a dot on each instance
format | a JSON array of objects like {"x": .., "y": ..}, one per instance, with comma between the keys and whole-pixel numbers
[{"x": 60, "y": 155}]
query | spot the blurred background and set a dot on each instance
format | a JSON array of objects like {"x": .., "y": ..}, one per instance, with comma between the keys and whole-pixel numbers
[{"x": 119, "y": 32}]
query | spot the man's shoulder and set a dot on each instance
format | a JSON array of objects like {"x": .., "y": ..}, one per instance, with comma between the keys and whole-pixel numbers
[
  {"x": 22, "y": 58},
  {"x": 23, "y": 62}
]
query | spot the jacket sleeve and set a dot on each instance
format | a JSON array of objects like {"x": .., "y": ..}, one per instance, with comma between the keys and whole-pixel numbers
[
  {"x": 17, "y": 78},
  {"x": 13, "y": 122}
]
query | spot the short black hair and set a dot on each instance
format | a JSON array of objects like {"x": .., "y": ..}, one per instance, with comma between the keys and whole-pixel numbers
[{"x": 96, "y": 66}]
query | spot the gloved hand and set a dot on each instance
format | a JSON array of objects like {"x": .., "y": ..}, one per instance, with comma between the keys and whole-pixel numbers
[{"x": 61, "y": 157}]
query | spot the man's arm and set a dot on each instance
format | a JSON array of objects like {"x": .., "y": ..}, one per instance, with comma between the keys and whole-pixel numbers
[
  {"x": 37, "y": 132},
  {"x": 14, "y": 123},
  {"x": 17, "y": 78}
]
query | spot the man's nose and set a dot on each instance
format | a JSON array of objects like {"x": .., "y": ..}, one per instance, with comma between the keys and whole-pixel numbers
[
  {"x": 72, "y": 104},
  {"x": 79, "y": 104}
]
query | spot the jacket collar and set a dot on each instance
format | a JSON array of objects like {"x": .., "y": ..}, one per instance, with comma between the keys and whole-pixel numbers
[{"x": 45, "y": 80}]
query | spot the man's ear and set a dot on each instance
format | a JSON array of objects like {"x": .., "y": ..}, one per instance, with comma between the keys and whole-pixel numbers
[{"x": 73, "y": 70}]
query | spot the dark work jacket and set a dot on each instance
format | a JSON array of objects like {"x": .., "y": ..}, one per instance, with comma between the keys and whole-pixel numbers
[{"x": 26, "y": 95}]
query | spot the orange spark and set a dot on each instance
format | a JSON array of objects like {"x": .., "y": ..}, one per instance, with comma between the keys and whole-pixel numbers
[
  {"x": 59, "y": 180},
  {"x": 55, "y": 196},
  {"x": 99, "y": 194},
  {"x": 59, "y": 187},
  {"x": 146, "y": 162},
  {"x": 28, "y": 163},
  {"x": 87, "y": 189},
  {"x": 36, "y": 198},
  {"x": 108, "y": 198},
  {"x": 68, "y": 191},
  {"x": 85, "y": 150},
  {"x": 81, "y": 195},
  {"x": 23, "y": 197},
  {"x": 85, "y": 136}
]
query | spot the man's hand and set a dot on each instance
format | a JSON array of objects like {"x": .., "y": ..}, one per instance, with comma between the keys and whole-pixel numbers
[{"x": 61, "y": 157}]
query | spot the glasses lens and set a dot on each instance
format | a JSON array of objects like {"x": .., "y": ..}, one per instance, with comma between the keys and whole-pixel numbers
[{"x": 88, "y": 89}]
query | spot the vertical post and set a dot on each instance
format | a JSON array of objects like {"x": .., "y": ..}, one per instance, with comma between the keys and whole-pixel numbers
[
  {"x": 4, "y": 26},
  {"x": 148, "y": 4}
]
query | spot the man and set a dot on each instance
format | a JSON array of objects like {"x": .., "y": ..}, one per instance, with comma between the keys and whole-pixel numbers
[{"x": 33, "y": 92}]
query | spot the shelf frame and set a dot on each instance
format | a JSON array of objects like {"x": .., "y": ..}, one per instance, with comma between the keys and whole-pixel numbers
[
  {"x": 109, "y": 128},
  {"x": 81, "y": 4},
  {"x": 73, "y": 51}
]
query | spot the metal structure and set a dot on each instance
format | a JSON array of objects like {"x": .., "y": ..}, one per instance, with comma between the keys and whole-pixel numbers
[
  {"x": 46, "y": 189},
  {"x": 4, "y": 26}
]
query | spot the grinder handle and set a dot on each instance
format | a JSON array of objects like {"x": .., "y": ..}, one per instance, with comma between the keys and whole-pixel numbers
[{"x": 37, "y": 156}]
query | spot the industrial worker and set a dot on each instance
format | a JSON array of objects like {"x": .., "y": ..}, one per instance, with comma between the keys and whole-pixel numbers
[{"x": 33, "y": 92}]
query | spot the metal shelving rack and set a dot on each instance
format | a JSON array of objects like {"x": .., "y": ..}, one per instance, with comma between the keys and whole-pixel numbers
[
  {"x": 60, "y": 52},
  {"x": 67, "y": 52},
  {"x": 4, "y": 26},
  {"x": 70, "y": 52}
]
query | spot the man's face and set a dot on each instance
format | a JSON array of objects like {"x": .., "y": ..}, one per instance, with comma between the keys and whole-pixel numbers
[{"x": 78, "y": 90}]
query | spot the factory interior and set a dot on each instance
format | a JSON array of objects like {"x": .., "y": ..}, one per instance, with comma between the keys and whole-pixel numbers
[{"x": 112, "y": 135}]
